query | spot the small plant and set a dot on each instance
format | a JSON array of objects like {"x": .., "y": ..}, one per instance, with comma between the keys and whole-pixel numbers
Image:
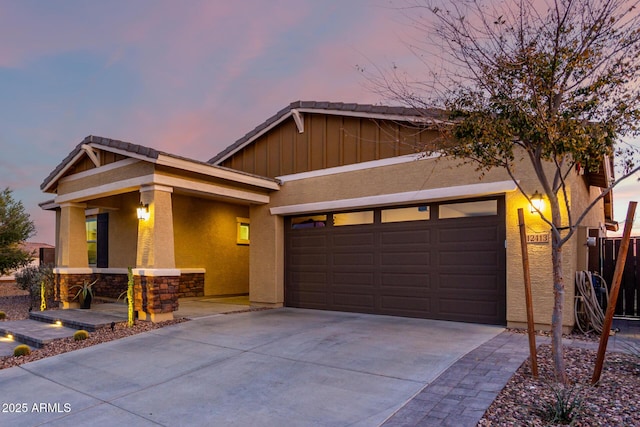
[
  {"x": 3, "y": 315},
  {"x": 564, "y": 405},
  {"x": 85, "y": 292},
  {"x": 630, "y": 348},
  {"x": 80, "y": 335},
  {"x": 128, "y": 295},
  {"x": 21, "y": 350},
  {"x": 43, "y": 298}
]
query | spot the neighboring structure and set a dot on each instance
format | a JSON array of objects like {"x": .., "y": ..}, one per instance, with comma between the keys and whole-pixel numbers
[
  {"x": 325, "y": 205},
  {"x": 42, "y": 253}
]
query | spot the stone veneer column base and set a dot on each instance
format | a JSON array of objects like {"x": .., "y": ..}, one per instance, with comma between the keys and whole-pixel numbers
[
  {"x": 66, "y": 279},
  {"x": 156, "y": 293}
]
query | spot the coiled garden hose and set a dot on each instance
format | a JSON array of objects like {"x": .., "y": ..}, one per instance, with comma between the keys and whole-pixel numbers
[{"x": 588, "y": 310}]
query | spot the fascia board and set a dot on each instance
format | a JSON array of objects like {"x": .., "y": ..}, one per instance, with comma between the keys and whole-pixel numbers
[
  {"x": 216, "y": 172},
  {"x": 419, "y": 196}
]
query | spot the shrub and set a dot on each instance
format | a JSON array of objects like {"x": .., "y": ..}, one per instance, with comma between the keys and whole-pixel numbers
[
  {"x": 3, "y": 315},
  {"x": 31, "y": 278},
  {"x": 81, "y": 335},
  {"x": 564, "y": 405},
  {"x": 21, "y": 350}
]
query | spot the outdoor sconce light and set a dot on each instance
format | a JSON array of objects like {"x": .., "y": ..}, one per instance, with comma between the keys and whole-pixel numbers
[
  {"x": 143, "y": 211},
  {"x": 537, "y": 203}
]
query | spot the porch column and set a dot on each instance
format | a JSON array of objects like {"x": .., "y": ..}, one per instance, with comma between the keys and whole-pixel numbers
[
  {"x": 266, "y": 258},
  {"x": 72, "y": 238},
  {"x": 155, "y": 276},
  {"x": 72, "y": 259}
]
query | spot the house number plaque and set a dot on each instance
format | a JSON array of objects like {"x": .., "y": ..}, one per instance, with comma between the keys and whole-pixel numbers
[{"x": 538, "y": 238}]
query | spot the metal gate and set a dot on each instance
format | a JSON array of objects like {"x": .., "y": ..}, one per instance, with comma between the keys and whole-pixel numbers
[{"x": 628, "y": 304}]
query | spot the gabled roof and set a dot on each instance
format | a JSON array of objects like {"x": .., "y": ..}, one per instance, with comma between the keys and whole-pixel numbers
[
  {"x": 78, "y": 151},
  {"x": 403, "y": 114},
  {"x": 149, "y": 154}
]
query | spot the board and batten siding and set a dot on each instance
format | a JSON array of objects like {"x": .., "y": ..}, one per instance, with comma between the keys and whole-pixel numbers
[{"x": 327, "y": 141}]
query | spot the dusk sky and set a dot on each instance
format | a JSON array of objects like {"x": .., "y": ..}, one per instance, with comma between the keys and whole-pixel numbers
[{"x": 187, "y": 77}]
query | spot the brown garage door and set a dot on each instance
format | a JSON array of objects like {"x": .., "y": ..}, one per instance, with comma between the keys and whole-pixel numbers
[{"x": 438, "y": 261}]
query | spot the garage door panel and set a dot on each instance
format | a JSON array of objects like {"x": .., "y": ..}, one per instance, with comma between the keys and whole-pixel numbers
[
  {"x": 457, "y": 309},
  {"x": 353, "y": 259},
  {"x": 468, "y": 235},
  {"x": 353, "y": 278},
  {"x": 309, "y": 299},
  {"x": 405, "y": 279},
  {"x": 349, "y": 240},
  {"x": 358, "y": 302},
  {"x": 403, "y": 238},
  {"x": 310, "y": 277},
  {"x": 468, "y": 258},
  {"x": 450, "y": 269},
  {"x": 391, "y": 304},
  {"x": 469, "y": 282},
  {"x": 315, "y": 241},
  {"x": 405, "y": 258},
  {"x": 309, "y": 259}
]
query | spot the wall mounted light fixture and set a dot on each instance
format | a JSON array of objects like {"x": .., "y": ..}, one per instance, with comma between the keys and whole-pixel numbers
[
  {"x": 537, "y": 202},
  {"x": 143, "y": 211}
]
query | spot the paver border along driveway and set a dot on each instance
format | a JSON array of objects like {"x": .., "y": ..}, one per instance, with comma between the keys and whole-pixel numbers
[{"x": 264, "y": 368}]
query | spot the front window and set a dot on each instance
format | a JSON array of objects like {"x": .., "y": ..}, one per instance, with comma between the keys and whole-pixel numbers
[
  {"x": 468, "y": 209},
  {"x": 353, "y": 218},
  {"x": 92, "y": 240}
]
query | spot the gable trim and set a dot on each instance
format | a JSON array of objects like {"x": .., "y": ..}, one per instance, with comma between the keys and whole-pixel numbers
[
  {"x": 217, "y": 172},
  {"x": 63, "y": 170},
  {"x": 253, "y": 138},
  {"x": 420, "y": 196},
  {"x": 135, "y": 184},
  {"x": 94, "y": 155},
  {"x": 108, "y": 167}
]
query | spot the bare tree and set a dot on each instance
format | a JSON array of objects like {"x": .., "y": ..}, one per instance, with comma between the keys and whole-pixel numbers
[{"x": 556, "y": 80}]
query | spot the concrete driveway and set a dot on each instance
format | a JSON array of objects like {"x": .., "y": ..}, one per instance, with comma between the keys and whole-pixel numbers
[{"x": 266, "y": 368}]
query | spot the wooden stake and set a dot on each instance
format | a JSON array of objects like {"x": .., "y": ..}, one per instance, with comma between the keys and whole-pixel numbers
[
  {"x": 527, "y": 294},
  {"x": 613, "y": 293}
]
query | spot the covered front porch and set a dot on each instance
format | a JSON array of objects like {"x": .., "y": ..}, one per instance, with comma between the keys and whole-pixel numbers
[{"x": 182, "y": 226}]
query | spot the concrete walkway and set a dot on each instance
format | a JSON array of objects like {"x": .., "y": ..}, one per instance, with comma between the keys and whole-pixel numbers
[
  {"x": 43, "y": 327},
  {"x": 265, "y": 368}
]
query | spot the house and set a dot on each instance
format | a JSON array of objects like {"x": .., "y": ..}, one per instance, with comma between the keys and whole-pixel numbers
[
  {"x": 327, "y": 206},
  {"x": 41, "y": 253}
]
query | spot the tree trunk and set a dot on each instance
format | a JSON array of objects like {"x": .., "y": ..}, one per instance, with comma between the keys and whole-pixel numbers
[
  {"x": 558, "y": 293},
  {"x": 556, "y": 317}
]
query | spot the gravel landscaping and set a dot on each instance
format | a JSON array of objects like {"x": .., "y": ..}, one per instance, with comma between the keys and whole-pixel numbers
[{"x": 614, "y": 402}]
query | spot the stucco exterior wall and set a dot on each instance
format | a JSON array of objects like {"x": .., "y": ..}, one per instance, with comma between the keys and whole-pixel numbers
[
  {"x": 267, "y": 258},
  {"x": 205, "y": 237}
]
